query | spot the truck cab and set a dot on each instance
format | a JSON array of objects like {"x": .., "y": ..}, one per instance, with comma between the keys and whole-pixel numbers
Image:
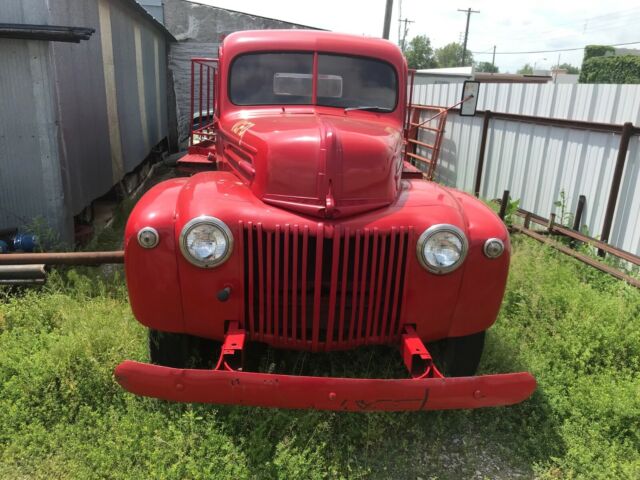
[{"x": 305, "y": 234}]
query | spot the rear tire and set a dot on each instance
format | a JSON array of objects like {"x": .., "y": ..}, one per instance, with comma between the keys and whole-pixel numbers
[
  {"x": 462, "y": 354},
  {"x": 179, "y": 350}
]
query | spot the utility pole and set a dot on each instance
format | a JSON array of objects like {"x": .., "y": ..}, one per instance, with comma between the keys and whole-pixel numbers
[
  {"x": 405, "y": 30},
  {"x": 399, "y": 24},
  {"x": 493, "y": 59},
  {"x": 387, "y": 19},
  {"x": 468, "y": 11}
]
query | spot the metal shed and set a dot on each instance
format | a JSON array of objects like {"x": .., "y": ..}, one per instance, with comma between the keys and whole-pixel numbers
[
  {"x": 76, "y": 117},
  {"x": 200, "y": 29}
]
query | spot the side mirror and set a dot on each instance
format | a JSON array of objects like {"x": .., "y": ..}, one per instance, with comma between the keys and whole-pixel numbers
[{"x": 469, "y": 98}]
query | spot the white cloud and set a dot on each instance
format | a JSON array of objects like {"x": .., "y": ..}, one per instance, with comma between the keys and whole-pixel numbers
[{"x": 510, "y": 25}]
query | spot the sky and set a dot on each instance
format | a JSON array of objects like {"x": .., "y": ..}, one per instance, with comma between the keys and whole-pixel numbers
[{"x": 512, "y": 26}]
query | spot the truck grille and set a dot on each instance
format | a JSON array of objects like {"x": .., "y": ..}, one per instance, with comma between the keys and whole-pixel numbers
[{"x": 323, "y": 287}]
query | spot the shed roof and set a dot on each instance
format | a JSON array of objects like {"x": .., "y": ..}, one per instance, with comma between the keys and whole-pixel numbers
[{"x": 142, "y": 11}]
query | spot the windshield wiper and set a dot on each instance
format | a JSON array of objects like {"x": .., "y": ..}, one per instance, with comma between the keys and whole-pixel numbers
[{"x": 369, "y": 108}]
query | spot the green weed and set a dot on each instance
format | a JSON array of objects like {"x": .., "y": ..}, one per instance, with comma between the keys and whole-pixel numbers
[{"x": 63, "y": 416}]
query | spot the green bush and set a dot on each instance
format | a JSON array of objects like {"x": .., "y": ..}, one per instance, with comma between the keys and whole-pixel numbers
[
  {"x": 617, "y": 69},
  {"x": 591, "y": 51}
]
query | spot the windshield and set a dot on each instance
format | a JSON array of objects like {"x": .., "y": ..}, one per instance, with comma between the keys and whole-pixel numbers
[{"x": 287, "y": 79}]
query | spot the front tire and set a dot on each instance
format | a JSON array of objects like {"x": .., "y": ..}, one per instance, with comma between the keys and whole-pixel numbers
[
  {"x": 179, "y": 350},
  {"x": 462, "y": 355}
]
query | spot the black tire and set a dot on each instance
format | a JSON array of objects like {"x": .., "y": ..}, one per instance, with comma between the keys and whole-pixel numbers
[
  {"x": 462, "y": 355},
  {"x": 179, "y": 350}
]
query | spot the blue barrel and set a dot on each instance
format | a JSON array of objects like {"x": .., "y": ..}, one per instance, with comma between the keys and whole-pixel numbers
[{"x": 24, "y": 242}]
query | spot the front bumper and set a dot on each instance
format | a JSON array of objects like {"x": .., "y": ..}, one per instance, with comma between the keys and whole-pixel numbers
[{"x": 323, "y": 393}]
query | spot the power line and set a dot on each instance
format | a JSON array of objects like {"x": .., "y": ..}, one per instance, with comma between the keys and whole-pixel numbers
[{"x": 552, "y": 51}]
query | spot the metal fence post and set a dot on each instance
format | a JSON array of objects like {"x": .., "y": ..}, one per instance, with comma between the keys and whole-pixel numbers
[
  {"x": 481, "y": 155},
  {"x": 625, "y": 136}
]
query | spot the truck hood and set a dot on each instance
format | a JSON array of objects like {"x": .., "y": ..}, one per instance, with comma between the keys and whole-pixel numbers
[{"x": 321, "y": 165}]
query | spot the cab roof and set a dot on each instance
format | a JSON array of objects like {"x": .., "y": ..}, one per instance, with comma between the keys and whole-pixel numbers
[{"x": 311, "y": 40}]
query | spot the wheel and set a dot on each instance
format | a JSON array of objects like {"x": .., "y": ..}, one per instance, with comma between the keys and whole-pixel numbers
[
  {"x": 462, "y": 355},
  {"x": 179, "y": 350}
]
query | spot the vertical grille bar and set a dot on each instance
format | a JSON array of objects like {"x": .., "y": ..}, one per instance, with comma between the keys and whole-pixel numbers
[
  {"x": 245, "y": 307},
  {"x": 285, "y": 289},
  {"x": 251, "y": 284},
  {"x": 343, "y": 286},
  {"x": 363, "y": 284},
  {"x": 277, "y": 314},
  {"x": 303, "y": 291},
  {"x": 261, "y": 281},
  {"x": 354, "y": 296},
  {"x": 317, "y": 288},
  {"x": 390, "y": 282},
  {"x": 294, "y": 287},
  {"x": 372, "y": 284},
  {"x": 268, "y": 284},
  {"x": 334, "y": 284},
  {"x": 382, "y": 250},
  {"x": 400, "y": 266}
]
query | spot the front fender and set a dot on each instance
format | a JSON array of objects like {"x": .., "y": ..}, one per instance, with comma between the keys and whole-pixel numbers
[{"x": 152, "y": 274}]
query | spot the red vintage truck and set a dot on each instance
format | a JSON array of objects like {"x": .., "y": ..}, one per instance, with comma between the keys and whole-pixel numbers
[{"x": 307, "y": 231}]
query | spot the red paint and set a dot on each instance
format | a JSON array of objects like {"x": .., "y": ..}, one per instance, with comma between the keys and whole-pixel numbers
[
  {"x": 325, "y": 217},
  {"x": 323, "y": 393}
]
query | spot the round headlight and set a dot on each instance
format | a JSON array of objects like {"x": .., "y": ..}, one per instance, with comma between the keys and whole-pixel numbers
[
  {"x": 148, "y": 237},
  {"x": 442, "y": 248},
  {"x": 206, "y": 242},
  {"x": 493, "y": 248}
]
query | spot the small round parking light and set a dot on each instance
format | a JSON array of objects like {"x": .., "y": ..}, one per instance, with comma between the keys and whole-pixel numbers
[
  {"x": 493, "y": 248},
  {"x": 148, "y": 237}
]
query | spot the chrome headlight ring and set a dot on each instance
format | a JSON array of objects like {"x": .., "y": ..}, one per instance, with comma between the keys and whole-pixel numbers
[
  {"x": 449, "y": 234},
  {"x": 215, "y": 232}
]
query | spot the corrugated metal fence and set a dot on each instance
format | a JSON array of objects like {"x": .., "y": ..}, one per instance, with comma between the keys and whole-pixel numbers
[{"x": 538, "y": 162}]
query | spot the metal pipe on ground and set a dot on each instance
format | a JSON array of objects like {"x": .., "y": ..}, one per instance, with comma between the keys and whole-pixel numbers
[
  {"x": 63, "y": 258},
  {"x": 22, "y": 275}
]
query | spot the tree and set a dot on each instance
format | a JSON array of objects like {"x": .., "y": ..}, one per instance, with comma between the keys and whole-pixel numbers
[
  {"x": 569, "y": 68},
  {"x": 487, "y": 67},
  {"x": 526, "y": 69},
  {"x": 451, "y": 56},
  {"x": 419, "y": 53}
]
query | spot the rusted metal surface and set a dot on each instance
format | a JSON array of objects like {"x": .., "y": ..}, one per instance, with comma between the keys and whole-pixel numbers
[
  {"x": 417, "y": 144},
  {"x": 566, "y": 231},
  {"x": 22, "y": 275},
  {"x": 583, "y": 258},
  {"x": 482, "y": 154},
  {"x": 561, "y": 122},
  {"x": 627, "y": 130},
  {"x": 62, "y": 258},
  {"x": 21, "y": 271},
  {"x": 203, "y": 90}
]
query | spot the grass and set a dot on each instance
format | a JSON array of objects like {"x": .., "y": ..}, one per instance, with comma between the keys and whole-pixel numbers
[{"x": 63, "y": 416}]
